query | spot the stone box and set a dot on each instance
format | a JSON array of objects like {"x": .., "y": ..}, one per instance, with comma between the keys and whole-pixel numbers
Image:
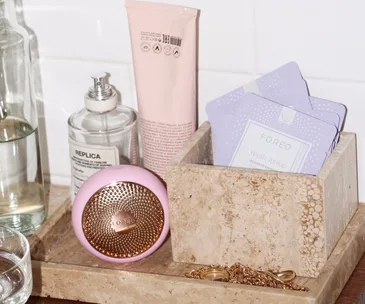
[{"x": 263, "y": 219}]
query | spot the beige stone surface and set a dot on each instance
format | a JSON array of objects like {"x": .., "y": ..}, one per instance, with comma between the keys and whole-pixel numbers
[
  {"x": 63, "y": 269},
  {"x": 264, "y": 219},
  {"x": 57, "y": 200},
  {"x": 338, "y": 178}
]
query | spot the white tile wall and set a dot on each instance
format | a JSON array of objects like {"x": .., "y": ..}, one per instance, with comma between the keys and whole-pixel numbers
[
  {"x": 239, "y": 39},
  {"x": 95, "y": 30},
  {"x": 324, "y": 37}
]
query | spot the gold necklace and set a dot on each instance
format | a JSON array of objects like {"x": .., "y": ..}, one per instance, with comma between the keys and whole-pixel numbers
[{"x": 239, "y": 274}]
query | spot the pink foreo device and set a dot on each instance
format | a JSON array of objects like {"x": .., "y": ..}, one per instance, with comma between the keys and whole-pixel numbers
[{"x": 120, "y": 213}]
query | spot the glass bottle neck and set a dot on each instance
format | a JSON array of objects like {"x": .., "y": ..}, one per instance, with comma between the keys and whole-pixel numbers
[
  {"x": 7, "y": 10},
  {"x": 2, "y": 9}
]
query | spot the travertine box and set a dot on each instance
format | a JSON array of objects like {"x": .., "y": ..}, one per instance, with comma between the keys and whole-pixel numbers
[{"x": 263, "y": 219}]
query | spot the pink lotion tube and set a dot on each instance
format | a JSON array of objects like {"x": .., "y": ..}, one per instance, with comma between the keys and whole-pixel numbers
[{"x": 163, "y": 39}]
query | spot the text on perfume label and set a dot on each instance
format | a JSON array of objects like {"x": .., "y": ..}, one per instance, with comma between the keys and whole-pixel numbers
[{"x": 87, "y": 155}]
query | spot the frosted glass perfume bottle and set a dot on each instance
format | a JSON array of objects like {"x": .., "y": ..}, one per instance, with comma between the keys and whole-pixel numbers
[{"x": 102, "y": 134}]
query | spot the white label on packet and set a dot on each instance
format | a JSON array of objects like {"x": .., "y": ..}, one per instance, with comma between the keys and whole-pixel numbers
[
  {"x": 87, "y": 160},
  {"x": 265, "y": 148}
]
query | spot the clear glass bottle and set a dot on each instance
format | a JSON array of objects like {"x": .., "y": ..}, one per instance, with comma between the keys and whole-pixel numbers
[
  {"x": 22, "y": 202},
  {"x": 101, "y": 134}
]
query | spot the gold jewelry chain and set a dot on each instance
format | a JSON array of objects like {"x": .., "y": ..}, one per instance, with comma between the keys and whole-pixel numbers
[{"x": 239, "y": 274}]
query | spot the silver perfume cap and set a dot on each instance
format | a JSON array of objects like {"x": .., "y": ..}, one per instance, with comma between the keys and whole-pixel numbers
[{"x": 101, "y": 97}]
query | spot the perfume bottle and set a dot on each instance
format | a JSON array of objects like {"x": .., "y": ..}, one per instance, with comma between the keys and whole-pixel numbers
[
  {"x": 102, "y": 134},
  {"x": 22, "y": 201}
]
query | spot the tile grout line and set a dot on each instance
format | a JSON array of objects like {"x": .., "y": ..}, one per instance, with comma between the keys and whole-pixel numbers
[
  {"x": 133, "y": 86},
  {"x": 79, "y": 59},
  {"x": 336, "y": 80},
  {"x": 255, "y": 73}
]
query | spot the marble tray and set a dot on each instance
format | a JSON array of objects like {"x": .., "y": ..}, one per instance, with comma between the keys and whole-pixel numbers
[{"x": 63, "y": 269}]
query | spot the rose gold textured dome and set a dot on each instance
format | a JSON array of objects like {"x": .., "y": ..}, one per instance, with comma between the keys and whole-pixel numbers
[{"x": 123, "y": 220}]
